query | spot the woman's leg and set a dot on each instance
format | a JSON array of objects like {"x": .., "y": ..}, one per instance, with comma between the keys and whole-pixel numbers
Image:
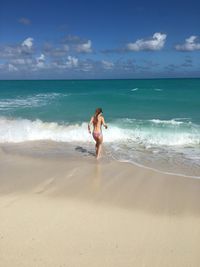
[
  {"x": 99, "y": 146},
  {"x": 96, "y": 146}
]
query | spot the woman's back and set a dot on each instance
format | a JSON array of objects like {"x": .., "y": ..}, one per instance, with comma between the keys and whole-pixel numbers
[{"x": 97, "y": 123}]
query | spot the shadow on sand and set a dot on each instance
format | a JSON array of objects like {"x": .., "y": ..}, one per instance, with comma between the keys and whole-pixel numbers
[{"x": 84, "y": 151}]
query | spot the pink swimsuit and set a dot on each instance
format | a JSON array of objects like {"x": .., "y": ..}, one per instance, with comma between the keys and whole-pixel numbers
[{"x": 97, "y": 134}]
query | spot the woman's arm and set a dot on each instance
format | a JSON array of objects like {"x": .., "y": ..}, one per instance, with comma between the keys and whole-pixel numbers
[
  {"x": 91, "y": 121},
  {"x": 104, "y": 124}
]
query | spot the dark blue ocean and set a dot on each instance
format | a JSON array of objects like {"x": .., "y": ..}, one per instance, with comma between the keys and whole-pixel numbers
[{"x": 154, "y": 123}]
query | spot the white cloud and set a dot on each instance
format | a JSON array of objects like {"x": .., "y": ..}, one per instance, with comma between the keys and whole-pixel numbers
[
  {"x": 107, "y": 64},
  {"x": 40, "y": 61},
  {"x": 71, "y": 62},
  {"x": 8, "y": 52},
  {"x": 157, "y": 42},
  {"x": 17, "y": 51},
  {"x": 12, "y": 68},
  {"x": 21, "y": 61},
  {"x": 41, "y": 58},
  {"x": 24, "y": 21},
  {"x": 85, "y": 47},
  {"x": 190, "y": 44},
  {"x": 86, "y": 66},
  {"x": 28, "y": 42},
  {"x": 18, "y": 61},
  {"x": 53, "y": 51}
]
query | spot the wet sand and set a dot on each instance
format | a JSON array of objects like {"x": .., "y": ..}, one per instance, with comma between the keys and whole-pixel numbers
[{"x": 77, "y": 212}]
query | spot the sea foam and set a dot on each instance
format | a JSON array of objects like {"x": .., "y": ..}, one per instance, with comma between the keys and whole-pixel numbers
[
  {"x": 146, "y": 133},
  {"x": 35, "y": 100}
]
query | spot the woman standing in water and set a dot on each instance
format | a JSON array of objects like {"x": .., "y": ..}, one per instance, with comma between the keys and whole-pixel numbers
[{"x": 97, "y": 120}]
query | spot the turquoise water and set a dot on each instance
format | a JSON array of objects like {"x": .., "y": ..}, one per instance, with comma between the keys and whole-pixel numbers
[
  {"x": 155, "y": 122},
  {"x": 71, "y": 101}
]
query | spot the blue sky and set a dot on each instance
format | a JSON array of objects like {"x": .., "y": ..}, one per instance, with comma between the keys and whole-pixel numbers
[{"x": 99, "y": 39}]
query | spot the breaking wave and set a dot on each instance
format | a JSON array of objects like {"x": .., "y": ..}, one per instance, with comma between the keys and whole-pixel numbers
[
  {"x": 127, "y": 131},
  {"x": 36, "y": 100}
]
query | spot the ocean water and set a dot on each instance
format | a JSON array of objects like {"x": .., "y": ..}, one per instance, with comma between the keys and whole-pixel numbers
[{"x": 154, "y": 123}]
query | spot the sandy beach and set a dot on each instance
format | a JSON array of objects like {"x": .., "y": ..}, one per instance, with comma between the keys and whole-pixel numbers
[
  {"x": 117, "y": 81},
  {"x": 77, "y": 212}
]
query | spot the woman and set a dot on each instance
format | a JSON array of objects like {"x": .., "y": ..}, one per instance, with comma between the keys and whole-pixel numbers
[{"x": 97, "y": 120}]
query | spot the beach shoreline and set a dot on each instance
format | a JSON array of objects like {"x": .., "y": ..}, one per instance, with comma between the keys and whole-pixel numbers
[
  {"x": 80, "y": 212},
  {"x": 148, "y": 123}
]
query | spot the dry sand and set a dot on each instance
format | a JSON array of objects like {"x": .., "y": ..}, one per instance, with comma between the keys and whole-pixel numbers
[{"x": 74, "y": 213}]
